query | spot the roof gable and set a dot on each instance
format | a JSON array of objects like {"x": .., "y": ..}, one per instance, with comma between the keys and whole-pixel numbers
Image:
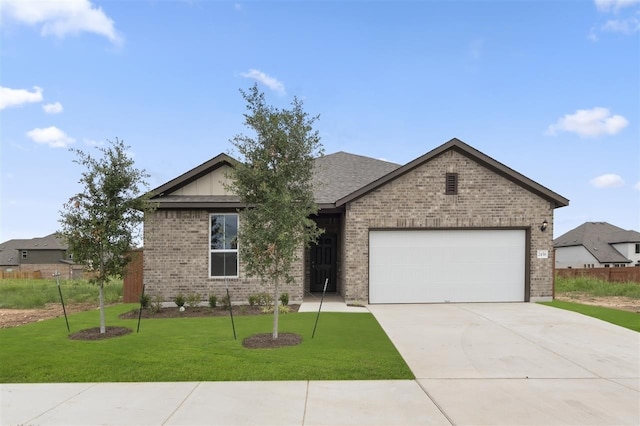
[
  {"x": 187, "y": 183},
  {"x": 474, "y": 154}
]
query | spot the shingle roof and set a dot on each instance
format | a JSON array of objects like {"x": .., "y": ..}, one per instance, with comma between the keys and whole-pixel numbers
[
  {"x": 340, "y": 174},
  {"x": 597, "y": 238},
  {"x": 10, "y": 250}
]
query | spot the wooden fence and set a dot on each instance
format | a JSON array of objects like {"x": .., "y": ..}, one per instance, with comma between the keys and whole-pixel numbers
[
  {"x": 132, "y": 285},
  {"x": 630, "y": 274},
  {"x": 22, "y": 275}
]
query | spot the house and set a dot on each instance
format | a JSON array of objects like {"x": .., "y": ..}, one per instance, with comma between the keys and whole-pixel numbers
[
  {"x": 597, "y": 245},
  {"x": 44, "y": 255},
  {"x": 453, "y": 225}
]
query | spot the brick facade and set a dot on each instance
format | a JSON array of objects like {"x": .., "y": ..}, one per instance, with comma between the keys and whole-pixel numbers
[
  {"x": 176, "y": 260},
  {"x": 417, "y": 200}
]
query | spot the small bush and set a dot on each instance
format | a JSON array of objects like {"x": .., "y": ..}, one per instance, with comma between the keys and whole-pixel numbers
[
  {"x": 156, "y": 304},
  {"x": 179, "y": 300},
  {"x": 283, "y": 309},
  {"x": 261, "y": 299},
  {"x": 284, "y": 298},
  {"x": 193, "y": 300},
  {"x": 226, "y": 301},
  {"x": 145, "y": 300},
  {"x": 213, "y": 301}
]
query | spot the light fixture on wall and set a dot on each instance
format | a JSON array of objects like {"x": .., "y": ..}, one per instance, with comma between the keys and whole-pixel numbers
[{"x": 544, "y": 225}]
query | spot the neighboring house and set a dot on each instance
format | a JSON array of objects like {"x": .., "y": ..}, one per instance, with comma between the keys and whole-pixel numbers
[
  {"x": 453, "y": 225},
  {"x": 597, "y": 245},
  {"x": 46, "y": 255}
]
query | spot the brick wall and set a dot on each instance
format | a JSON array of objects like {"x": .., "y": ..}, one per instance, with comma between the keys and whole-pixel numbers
[
  {"x": 417, "y": 200},
  {"x": 176, "y": 260}
]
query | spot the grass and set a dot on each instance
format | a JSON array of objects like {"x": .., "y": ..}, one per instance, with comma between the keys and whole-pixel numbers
[
  {"x": 627, "y": 319},
  {"x": 34, "y": 294},
  {"x": 347, "y": 346},
  {"x": 596, "y": 287}
]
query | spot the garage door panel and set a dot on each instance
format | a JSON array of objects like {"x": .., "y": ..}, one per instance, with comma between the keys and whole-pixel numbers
[{"x": 446, "y": 266}]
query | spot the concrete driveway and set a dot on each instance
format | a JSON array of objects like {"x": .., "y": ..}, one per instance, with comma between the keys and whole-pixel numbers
[{"x": 518, "y": 363}]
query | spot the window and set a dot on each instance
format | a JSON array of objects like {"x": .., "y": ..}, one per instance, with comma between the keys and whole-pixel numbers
[
  {"x": 451, "y": 184},
  {"x": 637, "y": 248},
  {"x": 24, "y": 254},
  {"x": 224, "y": 245}
]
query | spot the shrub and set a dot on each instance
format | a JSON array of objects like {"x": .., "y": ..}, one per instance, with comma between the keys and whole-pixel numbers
[
  {"x": 179, "y": 300},
  {"x": 260, "y": 299},
  {"x": 284, "y": 298},
  {"x": 156, "y": 304},
  {"x": 283, "y": 309},
  {"x": 213, "y": 301},
  {"x": 193, "y": 300},
  {"x": 226, "y": 301},
  {"x": 145, "y": 300}
]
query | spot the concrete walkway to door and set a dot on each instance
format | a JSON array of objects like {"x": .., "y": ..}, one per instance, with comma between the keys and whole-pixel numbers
[{"x": 518, "y": 363}]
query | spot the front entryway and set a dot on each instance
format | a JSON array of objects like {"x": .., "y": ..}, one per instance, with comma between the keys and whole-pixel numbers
[{"x": 323, "y": 263}]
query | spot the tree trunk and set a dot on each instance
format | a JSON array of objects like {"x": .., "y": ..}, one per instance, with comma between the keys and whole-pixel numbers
[
  {"x": 103, "y": 328},
  {"x": 276, "y": 310}
]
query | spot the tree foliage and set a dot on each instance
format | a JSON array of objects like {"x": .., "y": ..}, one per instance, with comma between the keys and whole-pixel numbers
[
  {"x": 274, "y": 179},
  {"x": 101, "y": 223}
]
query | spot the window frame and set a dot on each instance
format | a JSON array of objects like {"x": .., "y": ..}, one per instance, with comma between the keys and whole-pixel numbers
[
  {"x": 637, "y": 248},
  {"x": 223, "y": 250},
  {"x": 24, "y": 254}
]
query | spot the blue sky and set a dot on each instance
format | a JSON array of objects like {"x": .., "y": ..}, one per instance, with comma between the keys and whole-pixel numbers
[{"x": 551, "y": 89}]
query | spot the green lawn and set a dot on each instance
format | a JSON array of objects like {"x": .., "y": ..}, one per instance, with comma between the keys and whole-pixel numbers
[
  {"x": 347, "y": 346},
  {"x": 630, "y": 320}
]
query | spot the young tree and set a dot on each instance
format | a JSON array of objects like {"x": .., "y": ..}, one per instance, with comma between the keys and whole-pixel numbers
[
  {"x": 274, "y": 180},
  {"x": 101, "y": 223}
]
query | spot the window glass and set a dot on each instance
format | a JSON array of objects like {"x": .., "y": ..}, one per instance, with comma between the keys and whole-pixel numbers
[{"x": 224, "y": 245}]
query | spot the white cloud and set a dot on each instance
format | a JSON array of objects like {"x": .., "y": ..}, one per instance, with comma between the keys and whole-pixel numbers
[
  {"x": 589, "y": 123},
  {"x": 14, "y": 97},
  {"x": 637, "y": 186},
  {"x": 61, "y": 18},
  {"x": 614, "y": 5},
  {"x": 51, "y": 136},
  {"x": 54, "y": 108},
  {"x": 624, "y": 26},
  {"x": 271, "y": 82},
  {"x": 607, "y": 181},
  {"x": 92, "y": 142}
]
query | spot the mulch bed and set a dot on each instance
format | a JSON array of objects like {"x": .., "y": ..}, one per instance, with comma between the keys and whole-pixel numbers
[
  {"x": 198, "y": 312},
  {"x": 265, "y": 340},
  {"x": 94, "y": 333}
]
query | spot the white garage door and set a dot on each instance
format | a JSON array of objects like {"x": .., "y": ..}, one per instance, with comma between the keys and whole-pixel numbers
[{"x": 447, "y": 266}]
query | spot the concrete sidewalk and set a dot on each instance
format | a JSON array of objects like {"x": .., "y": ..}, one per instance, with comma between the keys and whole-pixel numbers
[{"x": 220, "y": 403}]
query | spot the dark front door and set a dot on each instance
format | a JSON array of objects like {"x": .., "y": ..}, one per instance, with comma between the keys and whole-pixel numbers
[{"x": 323, "y": 263}]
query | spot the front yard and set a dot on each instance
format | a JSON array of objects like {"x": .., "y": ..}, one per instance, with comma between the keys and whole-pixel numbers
[{"x": 347, "y": 346}]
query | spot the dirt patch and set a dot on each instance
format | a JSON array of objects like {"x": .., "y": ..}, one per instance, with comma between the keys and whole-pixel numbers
[
  {"x": 615, "y": 302},
  {"x": 16, "y": 317}
]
